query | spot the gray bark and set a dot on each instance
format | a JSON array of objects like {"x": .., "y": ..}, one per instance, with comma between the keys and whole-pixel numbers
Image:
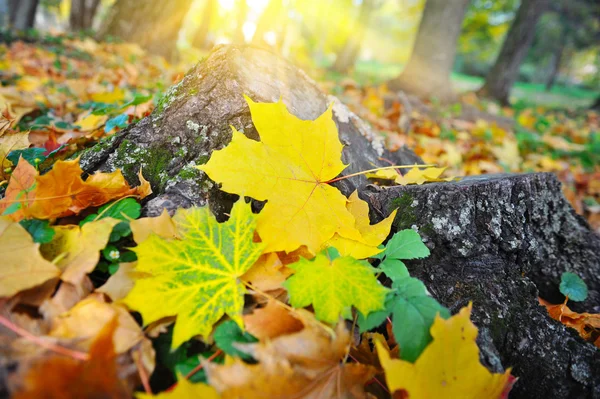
[
  {"x": 501, "y": 241},
  {"x": 428, "y": 71},
  {"x": 22, "y": 13},
  {"x": 505, "y": 71},
  {"x": 82, "y": 14}
]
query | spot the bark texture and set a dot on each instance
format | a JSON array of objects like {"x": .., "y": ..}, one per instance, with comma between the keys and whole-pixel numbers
[
  {"x": 348, "y": 54},
  {"x": 501, "y": 241},
  {"x": 505, "y": 71},
  {"x": 82, "y": 14},
  {"x": 21, "y": 13},
  {"x": 428, "y": 71},
  {"x": 153, "y": 24},
  {"x": 195, "y": 116}
]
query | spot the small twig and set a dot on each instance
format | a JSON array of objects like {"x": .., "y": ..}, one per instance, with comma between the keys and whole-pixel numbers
[
  {"x": 377, "y": 169},
  {"x": 352, "y": 336},
  {"x": 39, "y": 341},
  {"x": 142, "y": 372},
  {"x": 562, "y": 308}
]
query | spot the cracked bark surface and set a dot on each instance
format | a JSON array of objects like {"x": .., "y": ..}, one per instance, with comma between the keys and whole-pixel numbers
[
  {"x": 194, "y": 118},
  {"x": 501, "y": 241}
]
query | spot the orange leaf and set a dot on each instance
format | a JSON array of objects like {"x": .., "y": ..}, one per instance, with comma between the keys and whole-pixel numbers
[
  {"x": 66, "y": 378},
  {"x": 586, "y": 324},
  {"x": 271, "y": 321}
]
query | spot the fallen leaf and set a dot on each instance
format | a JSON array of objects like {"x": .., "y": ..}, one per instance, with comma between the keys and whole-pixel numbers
[
  {"x": 448, "y": 368},
  {"x": 62, "y": 191},
  {"x": 89, "y": 122},
  {"x": 201, "y": 268},
  {"x": 271, "y": 321},
  {"x": 586, "y": 324},
  {"x": 23, "y": 266},
  {"x": 77, "y": 249},
  {"x": 333, "y": 284},
  {"x": 19, "y": 191},
  {"x": 305, "y": 364},
  {"x": 10, "y": 142},
  {"x": 67, "y": 378},
  {"x": 184, "y": 390},
  {"x": 119, "y": 284},
  {"x": 285, "y": 169},
  {"x": 86, "y": 319},
  {"x": 268, "y": 272},
  {"x": 162, "y": 226},
  {"x": 372, "y": 235}
]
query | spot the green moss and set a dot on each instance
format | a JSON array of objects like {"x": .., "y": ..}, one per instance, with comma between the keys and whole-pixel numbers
[
  {"x": 188, "y": 173},
  {"x": 405, "y": 217},
  {"x": 152, "y": 160},
  {"x": 202, "y": 159}
]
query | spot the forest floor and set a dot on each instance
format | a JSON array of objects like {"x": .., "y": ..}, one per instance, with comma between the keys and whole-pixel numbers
[
  {"x": 69, "y": 93},
  {"x": 60, "y": 95}
]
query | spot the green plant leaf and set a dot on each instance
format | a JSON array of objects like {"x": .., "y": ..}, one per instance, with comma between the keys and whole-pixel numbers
[
  {"x": 40, "y": 230},
  {"x": 333, "y": 285},
  {"x": 124, "y": 209},
  {"x": 227, "y": 334},
  {"x": 573, "y": 286},
  {"x": 413, "y": 313},
  {"x": 34, "y": 156},
  {"x": 394, "y": 269},
  {"x": 196, "y": 277},
  {"x": 406, "y": 244}
]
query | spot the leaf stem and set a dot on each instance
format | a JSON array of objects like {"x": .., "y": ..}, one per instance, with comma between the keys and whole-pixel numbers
[
  {"x": 364, "y": 172},
  {"x": 142, "y": 371},
  {"x": 40, "y": 341}
]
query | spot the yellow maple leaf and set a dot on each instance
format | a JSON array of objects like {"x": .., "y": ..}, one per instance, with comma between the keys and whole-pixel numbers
[
  {"x": 289, "y": 167},
  {"x": 89, "y": 122},
  {"x": 373, "y": 235},
  {"x": 508, "y": 154},
  {"x": 448, "y": 368},
  {"x": 77, "y": 249},
  {"x": 116, "y": 95},
  {"x": 197, "y": 276},
  {"x": 22, "y": 264}
]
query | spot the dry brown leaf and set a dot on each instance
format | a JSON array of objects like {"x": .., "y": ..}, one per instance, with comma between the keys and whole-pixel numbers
[
  {"x": 65, "y": 298},
  {"x": 162, "y": 226},
  {"x": 66, "y": 378},
  {"x": 586, "y": 324},
  {"x": 77, "y": 249},
  {"x": 119, "y": 284},
  {"x": 305, "y": 364},
  {"x": 23, "y": 266},
  {"x": 271, "y": 321},
  {"x": 267, "y": 273}
]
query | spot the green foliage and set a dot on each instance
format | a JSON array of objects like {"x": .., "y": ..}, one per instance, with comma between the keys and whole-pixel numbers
[
  {"x": 333, "y": 284},
  {"x": 34, "y": 156},
  {"x": 572, "y": 286},
  {"x": 412, "y": 310},
  {"x": 40, "y": 230},
  {"x": 229, "y": 333}
]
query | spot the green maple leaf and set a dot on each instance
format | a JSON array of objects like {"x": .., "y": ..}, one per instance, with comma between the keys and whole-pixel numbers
[
  {"x": 333, "y": 284},
  {"x": 196, "y": 277}
]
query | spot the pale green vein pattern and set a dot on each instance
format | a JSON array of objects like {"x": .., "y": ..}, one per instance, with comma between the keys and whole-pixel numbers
[
  {"x": 334, "y": 286},
  {"x": 196, "y": 277}
]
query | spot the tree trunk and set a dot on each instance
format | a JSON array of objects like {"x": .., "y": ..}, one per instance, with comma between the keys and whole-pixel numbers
[
  {"x": 348, "y": 55},
  {"x": 428, "y": 71},
  {"x": 557, "y": 58},
  {"x": 241, "y": 16},
  {"x": 82, "y": 14},
  {"x": 153, "y": 24},
  {"x": 4, "y": 13},
  {"x": 270, "y": 16},
  {"x": 22, "y": 13},
  {"x": 499, "y": 241},
  {"x": 201, "y": 36},
  {"x": 505, "y": 71}
]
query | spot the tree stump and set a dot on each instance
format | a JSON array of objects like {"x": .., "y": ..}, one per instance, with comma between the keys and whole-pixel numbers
[
  {"x": 499, "y": 241},
  {"x": 195, "y": 117}
]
